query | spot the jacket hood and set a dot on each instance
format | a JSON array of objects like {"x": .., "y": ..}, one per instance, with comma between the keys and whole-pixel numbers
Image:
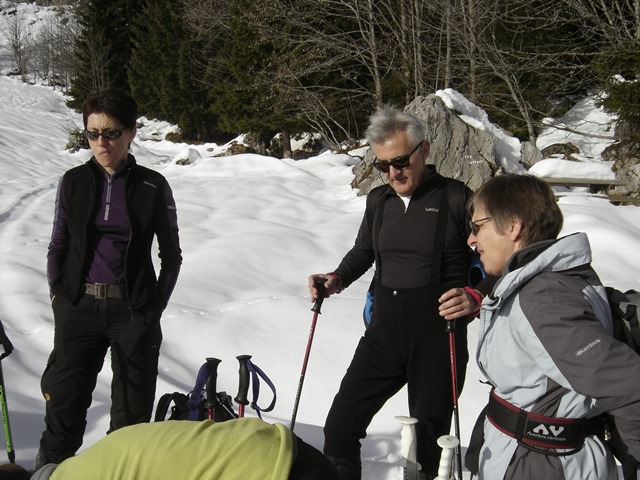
[
  {"x": 557, "y": 255},
  {"x": 45, "y": 472}
]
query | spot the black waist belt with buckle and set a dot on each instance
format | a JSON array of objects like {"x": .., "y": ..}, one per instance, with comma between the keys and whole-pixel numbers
[
  {"x": 102, "y": 291},
  {"x": 538, "y": 432}
]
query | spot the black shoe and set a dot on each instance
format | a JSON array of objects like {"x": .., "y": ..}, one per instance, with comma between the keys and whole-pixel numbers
[{"x": 349, "y": 468}]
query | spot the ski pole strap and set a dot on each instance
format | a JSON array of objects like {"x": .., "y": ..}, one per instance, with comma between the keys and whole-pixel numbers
[
  {"x": 540, "y": 433},
  {"x": 195, "y": 398},
  {"x": 476, "y": 296},
  {"x": 472, "y": 457},
  {"x": 256, "y": 374}
]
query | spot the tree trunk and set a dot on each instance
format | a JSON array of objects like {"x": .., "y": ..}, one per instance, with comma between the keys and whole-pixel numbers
[{"x": 286, "y": 145}]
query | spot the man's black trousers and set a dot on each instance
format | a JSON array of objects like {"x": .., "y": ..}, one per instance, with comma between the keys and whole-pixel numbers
[
  {"x": 405, "y": 344},
  {"x": 83, "y": 333}
]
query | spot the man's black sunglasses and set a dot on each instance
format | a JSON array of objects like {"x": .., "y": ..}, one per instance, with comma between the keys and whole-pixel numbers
[
  {"x": 399, "y": 163},
  {"x": 108, "y": 134}
]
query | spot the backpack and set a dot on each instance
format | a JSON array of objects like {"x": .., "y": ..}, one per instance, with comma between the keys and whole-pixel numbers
[
  {"x": 626, "y": 328},
  {"x": 177, "y": 405},
  {"x": 195, "y": 405},
  {"x": 624, "y": 311}
]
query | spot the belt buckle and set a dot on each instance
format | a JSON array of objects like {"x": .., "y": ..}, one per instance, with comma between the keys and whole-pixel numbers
[{"x": 101, "y": 291}]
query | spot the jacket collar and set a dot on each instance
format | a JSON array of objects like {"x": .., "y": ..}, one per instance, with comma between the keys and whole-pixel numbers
[
  {"x": 127, "y": 164},
  {"x": 547, "y": 256}
]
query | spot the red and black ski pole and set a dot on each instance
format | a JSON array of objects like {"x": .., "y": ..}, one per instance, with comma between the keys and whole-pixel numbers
[
  {"x": 243, "y": 384},
  {"x": 319, "y": 284},
  {"x": 211, "y": 388},
  {"x": 451, "y": 330}
]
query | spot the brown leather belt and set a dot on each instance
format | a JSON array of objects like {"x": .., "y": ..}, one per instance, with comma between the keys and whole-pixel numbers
[{"x": 102, "y": 291}]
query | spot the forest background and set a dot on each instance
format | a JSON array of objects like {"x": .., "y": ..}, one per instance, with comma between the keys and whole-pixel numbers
[{"x": 275, "y": 69}]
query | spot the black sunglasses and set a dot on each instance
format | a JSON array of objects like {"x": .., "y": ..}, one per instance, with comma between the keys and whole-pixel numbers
[
  {"x": 399, "y": 163},
  {"x": 108, "y": 134}
]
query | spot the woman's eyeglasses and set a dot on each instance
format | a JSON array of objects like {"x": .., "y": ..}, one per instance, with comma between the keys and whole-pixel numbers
[
  {"x": 399, "y": 163},
  {"x": 476, "y": 226},
  {"x": 108, "y": 134}
]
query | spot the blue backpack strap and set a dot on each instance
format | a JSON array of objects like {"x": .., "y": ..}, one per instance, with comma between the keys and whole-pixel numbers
[
  {"x": 367, "y": 311},
  {"x": 195, "y": 398},
  {"x": 256, "y": 374},
  {"x": 476, "y": 271}
]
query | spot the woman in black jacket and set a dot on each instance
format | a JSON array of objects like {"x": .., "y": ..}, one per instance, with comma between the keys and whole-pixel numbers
[{"x": 104, "y": 289}]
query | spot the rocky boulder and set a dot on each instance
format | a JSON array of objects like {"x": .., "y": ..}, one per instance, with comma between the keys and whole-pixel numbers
[
  {"x": 530, "y": 154},
  {"x": 561, "y": 150},
  {"x": 626, "y": 166}
]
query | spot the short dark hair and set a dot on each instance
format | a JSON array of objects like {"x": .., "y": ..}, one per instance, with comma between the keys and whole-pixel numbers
[
  {"x": 524, "y": 197},
  {"x": 13, "y": 471},
  {"x": 117, "y": 104}
]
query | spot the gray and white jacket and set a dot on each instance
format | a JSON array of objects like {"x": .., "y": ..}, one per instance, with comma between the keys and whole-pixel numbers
[
  {"x": 545, "y": 345},
  {"x": 44, "y": 473}
]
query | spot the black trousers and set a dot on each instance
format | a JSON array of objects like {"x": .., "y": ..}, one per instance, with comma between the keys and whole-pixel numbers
[
  {"x": 310, "y": 464},
  {"x": 83, "y": 333},
  {"x": 406, "y": 344}
]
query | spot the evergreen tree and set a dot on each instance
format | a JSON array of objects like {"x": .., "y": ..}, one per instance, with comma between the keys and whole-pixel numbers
[
  {"x": 103, "y": 47},
  {"x": 282, "y": 72},
  {"x": 235, "y": 94},
  {"x": 164, "y": 75},
  {"x": 619, "y": 69}
]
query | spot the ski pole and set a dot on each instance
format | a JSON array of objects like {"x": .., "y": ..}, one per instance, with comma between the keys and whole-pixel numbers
[
  {"x": 319, "y": 284},
  {"x": 445, "y": 468},
  {"x": 211, "y": 389},
  {"x": 5, "y": 350},
  {"x": 454, "y": 386},
  {"x": 5, "y": 419},
  {"x": 243, "y": 385},
  {"x": 408, "y": 447}
]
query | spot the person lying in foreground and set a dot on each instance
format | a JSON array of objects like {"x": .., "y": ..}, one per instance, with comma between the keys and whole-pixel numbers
[{"x": 244, "y": 448}]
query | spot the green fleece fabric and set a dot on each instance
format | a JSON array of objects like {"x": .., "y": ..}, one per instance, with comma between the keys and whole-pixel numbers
[{"x": 246, "y": 448}]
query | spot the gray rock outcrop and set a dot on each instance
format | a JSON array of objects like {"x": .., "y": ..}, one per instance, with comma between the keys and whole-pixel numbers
[
  {"x": 530, "y": 154},
  {"x": 460, "y": 151},
  {"x": 626, "y": 166}
]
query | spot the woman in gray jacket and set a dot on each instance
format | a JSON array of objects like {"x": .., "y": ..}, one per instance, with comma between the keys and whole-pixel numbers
[{"x": 545, "y": 343}]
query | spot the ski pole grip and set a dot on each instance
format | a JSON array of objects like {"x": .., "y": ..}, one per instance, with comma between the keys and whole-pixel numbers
[
  {"x": 212, "y": 379},
  {"x": 451, "y": 326},
  {"x": 448, "y": 444},
  {"x": 319, "y": 284},
  {"x": 243, "y": 385}
]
